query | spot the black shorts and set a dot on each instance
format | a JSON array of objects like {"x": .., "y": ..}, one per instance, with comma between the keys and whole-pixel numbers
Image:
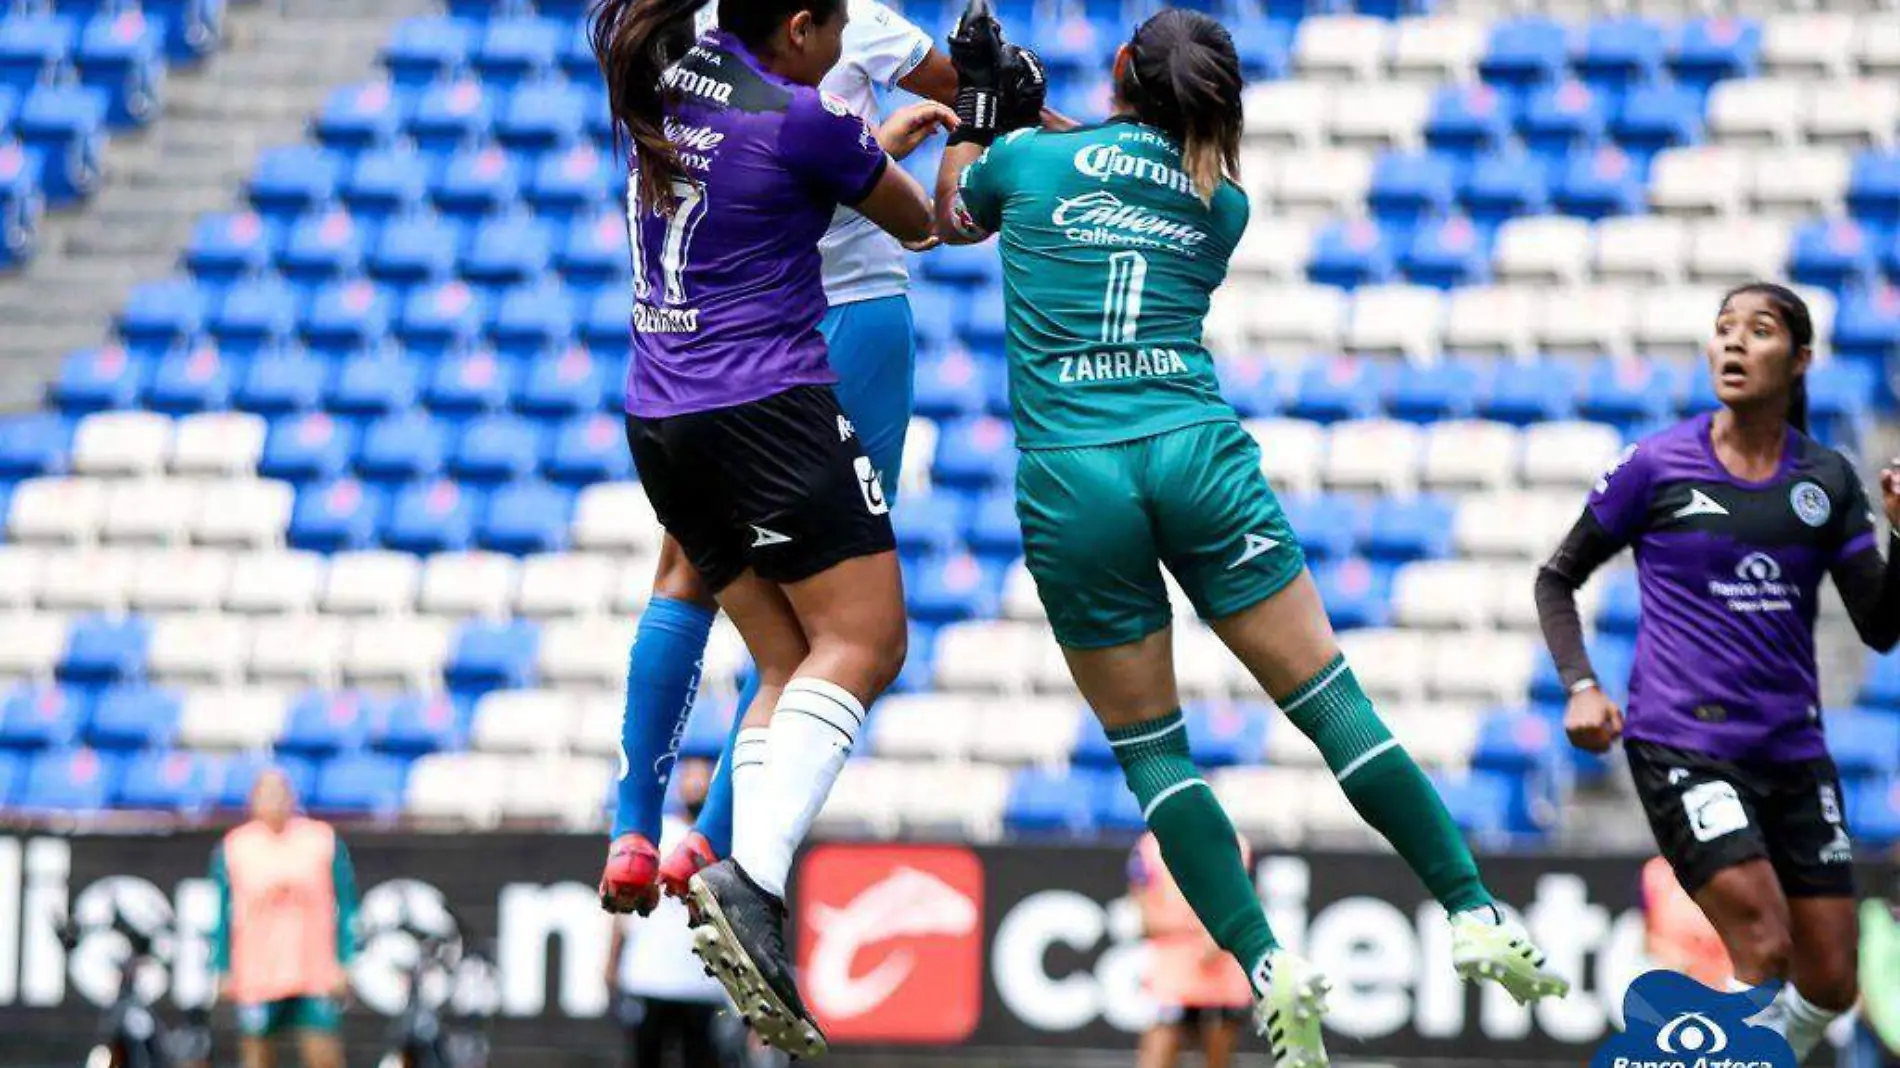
[
  {"x": 1711, "y": 814},
  {"x": 780, "y": 486},
  {"x": 1195, "y": 1017}
]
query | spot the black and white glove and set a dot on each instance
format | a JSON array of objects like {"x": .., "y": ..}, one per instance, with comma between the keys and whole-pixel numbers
[
  {"x": 1024, "y": 89},
  {"x": 977, "y": 53}
]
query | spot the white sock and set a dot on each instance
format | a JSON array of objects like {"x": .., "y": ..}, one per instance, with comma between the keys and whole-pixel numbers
[
  {"x": 748, "y": 762},
  {"x": 813, "y": 729},
  {"x": 1774, "y": 1016},
  {"x": 1807, "y": 1022}
]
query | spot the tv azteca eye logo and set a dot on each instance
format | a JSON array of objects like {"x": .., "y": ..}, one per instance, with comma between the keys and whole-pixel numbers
[{"x": 1675, "y": 1022}]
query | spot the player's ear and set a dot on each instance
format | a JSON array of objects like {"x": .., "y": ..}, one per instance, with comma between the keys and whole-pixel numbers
[
  {"x": 798, "y": 29},
  {"x": 1803, "y": 359},
  {"x": 1123, "y": 57}
]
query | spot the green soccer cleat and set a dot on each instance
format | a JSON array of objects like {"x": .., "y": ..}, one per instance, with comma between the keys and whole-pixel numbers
[
  {"x": 1289, "y": 1017},
  {"x": 1489, "y": 944}
]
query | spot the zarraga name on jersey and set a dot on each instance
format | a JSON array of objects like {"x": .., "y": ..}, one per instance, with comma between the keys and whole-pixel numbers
[{"x": 1106, "y": 366}]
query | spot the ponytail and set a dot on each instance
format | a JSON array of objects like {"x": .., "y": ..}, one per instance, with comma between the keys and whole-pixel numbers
[
  {"x": 634, "y": 42},
  {"x": 1798, "y": 404},
  {"x": 1799, "y": 321},
  {"x": 1183, "y": 77}
]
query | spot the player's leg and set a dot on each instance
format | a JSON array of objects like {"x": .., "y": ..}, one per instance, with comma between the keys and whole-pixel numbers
[
  {"x": 258, "y": 1025},
  {"x": 1160, "y": 1046},
  {"x": 1220, "y": 1037},
  {"x": 1226, "y": 539},
  {"x": 1809, "y": 847}
]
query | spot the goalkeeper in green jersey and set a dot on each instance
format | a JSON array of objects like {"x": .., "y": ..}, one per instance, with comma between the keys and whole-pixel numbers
[{"x": 1114, "y": 238}]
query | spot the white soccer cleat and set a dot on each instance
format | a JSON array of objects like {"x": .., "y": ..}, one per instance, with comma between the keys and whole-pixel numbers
[
  {"x": 1291, "y": 1013},
  {"x": 1490, "y": 944}
]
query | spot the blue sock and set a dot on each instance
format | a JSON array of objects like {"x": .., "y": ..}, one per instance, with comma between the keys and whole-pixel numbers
[
  {"x": 662, "y": 681},
  {"x": 715, "y": 820}
]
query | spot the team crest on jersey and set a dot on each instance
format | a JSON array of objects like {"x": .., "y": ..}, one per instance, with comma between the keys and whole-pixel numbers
[
  {"x": 834, "y": 104},
  {"x": 1810, "y": 503}
]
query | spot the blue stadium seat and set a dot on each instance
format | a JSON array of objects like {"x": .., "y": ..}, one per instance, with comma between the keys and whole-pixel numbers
[
  {"x": 1410, "y": 187},
  {"x": 307, "y": 447},
  {"x": 1868, "y": 323},
  {"x": 948, "y": 589},
  {"x": 1429, "y": 394},
  {"x": 96, "y": 380},
  {"x": 557, "y": 387},
  {"x": 432, "y": 517},
  {"x": 1629, "y": 393},
  {"x": 1504, "y": 185},
  {"x": 12, "y": 776},
  {"x": 386, "y": 183},
  {"x": 927, "y": 525},
  {"x": 1620, "y": 53},
  {"x": 469, "y": 385},
  {"x": 496, "y": 448},
  {"x": 1622, "y": 605},
  {"x": 121, "y": 56},
  {"x": 451, "y": 115},
  {"x": 960, "y": 265},
  {"x": 1864, "y": 744},
  {"x": 1655, "y": 117},
  {"x": 577, "y": 50},
  {"x": 951, "y": 384},
  {"x": 103, "y": 650},
  {"x": 707, "y": 728},
  {"x": 1598, "y": 184},
  {"x": 241, "y": 772},
  {"x": 193, "y": 28},
  {"x": 1524, "y": 53},
  {"x": 1873, "y": 188},
  {"x": 187, "y": 382},
  {"x": 1875, "y": 812},
  {"x": 1114, "y": 808},
  {"x": 414, "y": 724},
  {"x": 66, "y": 125},
  {"x": 566, "y": 185},
  {"x": 1516, "y": 742},
  {"x": 1561, "y": 118},
  {"x": 346, "y": 316},
  {"x": 39, "y": 717},
  {"x": 518, "y": 50},
  {"x": 1880, "y": 685},
  {"x": 1226, "y": 733},
  {"x": 474, "y": 182},
  {"x": 1468, "y": 121},
  {"x": 425, "y": 50},
  {"x": 1330, "y": 390},
  {"x": 357, "y": 118},
  {"x": 527, "y": 516},
  {"x": 1330, "y": 526},
  {"x": 589, "y": 448},
  {"x": 134, "y": 717},
  {"x": 1251, "y": 384},
  {"x": 226, "y": 247},
  {"x": 1408, "y": 529},
  {"x": 1349, "y": 254},
  {"x": 324, "y": 724},
  {"x": 70, "y": 780},
  {"x": 975, "y": 453},
  {"x": 289, "y": 181},
  {"x": 171, "y": 781},
  {"x": 1074, "y": 46},
  {"x": 323, "y": 248},
  {"x": 1483, "y": 803},
  {"x": 280, "y": 384},
  {"x": 490, "y": 655},
  {"x": 160, "y": 314},
  {"x": 1833, "y": 254},
  {"x": 33, "y": 49},
  {"x": 1265, "y": 48},
  {"x": 36, "y": 444},
  {"x": 541, "y": 118},
  {"x": 255, "y": 312},
  {"x": 1043, "y": 801},
  {"x": 1708, "y": 50},
  {"x": 1529, "y": 393},
  {"x": 415, "y": 249},
  {"x": 402, "y": 447},
  {"x": 507, "y": 252},
  {"x": 373, "y": 384},
  {"x": 994, "y": 532},
  {"x": 21, "y": 203},
  {"x": 596, "y": 251},
  {"x": 1352, "y": 591},
  {"x": 363, "y": 783},
  {"x": 1446, "y": 254},
  {"x": 335, "y": 516},
  {"x": 439, "y": 318}
]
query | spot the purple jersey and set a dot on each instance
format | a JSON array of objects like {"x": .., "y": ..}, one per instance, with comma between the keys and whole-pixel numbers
[
  {"x": 727, "y": 288},
  {"x": 1730, "y": 571}
]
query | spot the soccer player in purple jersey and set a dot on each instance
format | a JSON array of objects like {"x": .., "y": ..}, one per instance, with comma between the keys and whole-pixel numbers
[
  {"x": 1735, "y": 517},
  {"x": 738, "y": 165}
]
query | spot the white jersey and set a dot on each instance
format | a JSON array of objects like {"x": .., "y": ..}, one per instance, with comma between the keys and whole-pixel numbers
[
  {"x": 881, "y": 47},
  {"x": 657, "y": 960}
]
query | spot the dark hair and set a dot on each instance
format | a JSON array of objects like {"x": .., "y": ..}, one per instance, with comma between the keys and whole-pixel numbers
[
  {"x": 635, "y": 41},
  {"x": 1799, "y": 322},
  {"x": 1183, "y": 78}
]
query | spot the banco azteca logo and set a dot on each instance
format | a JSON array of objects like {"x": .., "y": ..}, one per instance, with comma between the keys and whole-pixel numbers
[{"x": 1672, "y": 1021}]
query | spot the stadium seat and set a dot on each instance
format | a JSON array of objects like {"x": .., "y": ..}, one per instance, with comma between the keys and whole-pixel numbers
[
  {"x": 232, "y": 719},
  {"x": 468, "y": 584},
  {"x": 331, "y": 246},
  {"x": 121, "y": 443},
  {"x": 296, "y": 651},
  {"x": 360, "y": 783},
  {"x": 170, "y": 781},
  {"x": 1808, "y": 43},
  {"x": 336, "y": 515},
  {"x": 1640, "y": 249},
  {"x": 1708, "y": 50},
  {"x": 41, "y": 717},
  {"x": 101, "y": 650},
  {"x": 94, "y": 580},
  {"x": 1469, "y": 454},
  {"x": 70, "y": 780},
  {"x": 585, "y": 654},
  {"x": 134, "y": 718},
  {"x": 156, "y": 512},
  {"x": 563, "y": 584},
  {"x": 217, "y": 444},
  {"x": 1568, "y": 454},
  {"x": 186, "y": 580},
  {"x": 1548, "y": 250}
]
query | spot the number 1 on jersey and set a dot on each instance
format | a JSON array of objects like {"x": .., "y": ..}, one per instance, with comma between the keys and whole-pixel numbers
[
  {"x": 674, "y": 249},
  {"x": 1121, "y": 305}
]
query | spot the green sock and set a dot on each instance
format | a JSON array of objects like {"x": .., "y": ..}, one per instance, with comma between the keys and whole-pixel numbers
[
  {"x": 1385, "y": 785},
  {"x": 1197, "y": 840}
]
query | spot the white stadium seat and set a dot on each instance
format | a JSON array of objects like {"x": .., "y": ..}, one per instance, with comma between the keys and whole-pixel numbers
[
  {"x": 88, "y": 580},
  {"x": 31, "y": 643},
  {"x": 468, "y": 584},
  {"x": 920, "y": 450},
  {"x": 1543, "y": 249},
  {"x": 151, "y": 511},
  {"x": 564, "y": 584},
  {"x": 1027, "y": 730},
  {"x": 20, "y": 569},
  {"x": 371, "y": 583},
  {"x": 861, "y": 798},
  {"x": 925, "y": 726},
  {"x": 200, "y": 649},
  {"x": 1286, "y": 114},
  {"x": 173, "y": 580},
  {"x": 585, "y": 654},
  {"x": 1878, "y": 52},
  {"x": 1640, "y": 249},
  {"x": 632, "y": 584},
  {"x": 1276, "y": 248},
  {"x": 1734, "y": 250},
  {"x": 1469, "y": 454},
  {"x": 615, "y": 516},
  {"x": 1436, "y": 734},
  {"x": 1443, "y": 593},
  {"x": 1588, "y": 321},
  {"x": 1203, "y": 666},
  {"x": 597, "y": 725},
  {"x": 1269, "y": 802},
  {"x": 1048, "y": 668},
  {"x": 464, "y": 787},
  {"x": 1321, "y": 184},
  {"x": 1348, "y": 48},
  {"x": 964, "y": 800},
  {"x": 1292, "y": 452},
  {"x": 399, "y": 653},
  {"x": 1811, "y": 44},
  {"x": 1377, "y": 454},
  {"x": 274, "y": 583},
  {"x": 251, "y": 514},
  {"x": 1390, "y": 664},
  {"x": 1381, "y": 115},
  {"x": 1569, "y": 455},
  {"x": 1853, "y": 113},
  {"x": 1525, "y": 526},
  {"x": 1757, "y": 112},
  {"x": 121, "y": 443},
  {"x": 525, "y": 721},
  {"x": 218, "y": 444},
  {"x": 1294, "y": 320},
  {"x": 1799, "y": 182},
  {"x": 992, "y": 657},
  {"x": 1699, "y": 181},
  {"x": 1396, "y": 320},
  {"x": 297, "y": 650},
  {"x": 1020, "y": 600},
  {"x": 1436, "y": 48},
  {"x": 243, "y": 718},
  {"x": 1494, "y": 668},
  {"x": 57, "y": 510},
  {"x": 1676, "y": 322},
  {"x": 1491, "y": 320},
  {"x": 568, "y": 790},
  {"x": 726, "y": 656}
]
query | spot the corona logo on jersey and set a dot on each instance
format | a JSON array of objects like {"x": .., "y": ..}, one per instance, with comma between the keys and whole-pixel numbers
[
  {"x": 890, "y": 942},
  {"x": 1676, "y": 1022}
]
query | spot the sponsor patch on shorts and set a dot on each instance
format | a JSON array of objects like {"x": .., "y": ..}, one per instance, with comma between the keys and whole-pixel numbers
[{"x": 1714, "y": 810}]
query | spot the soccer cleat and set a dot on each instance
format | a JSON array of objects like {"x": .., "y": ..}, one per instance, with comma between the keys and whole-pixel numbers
[
  {"x": 741, "y": 937},
  {"x": 631, "y": 880},
  {"x": 1488, "y": 943},
  {"x": 1291, "y": 1014},
  {"x": 687, "y": 859}
]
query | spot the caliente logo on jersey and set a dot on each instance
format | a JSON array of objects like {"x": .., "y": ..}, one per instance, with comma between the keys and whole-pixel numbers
[
  {"x": 1102, "y": 218},
  {"x": 890, "y": 941}
]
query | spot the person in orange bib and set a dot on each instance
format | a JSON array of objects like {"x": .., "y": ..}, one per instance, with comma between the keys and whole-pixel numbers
[
  {"x": 1198, "y": 989},
  {"x": 286, "y": 897},
  {"x": 1680, "y": 937}
]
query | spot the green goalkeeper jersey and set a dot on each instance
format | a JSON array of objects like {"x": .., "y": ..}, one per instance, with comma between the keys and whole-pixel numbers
[{"x": 1109, "y": 260}]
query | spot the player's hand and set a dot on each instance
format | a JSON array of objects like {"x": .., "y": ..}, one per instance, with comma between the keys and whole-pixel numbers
[
  {"x": 976, "y": 48},
  {"x": 1023, "y": 88},
  {"x": 1890, "y": 490},
  {"x": 912, "y": 126},
  {"x": 1592, "y": 721},
  {"x": 925, "y": 245}
]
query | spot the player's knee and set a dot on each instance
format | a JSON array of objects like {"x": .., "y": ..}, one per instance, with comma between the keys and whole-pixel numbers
[
  {"x": 1761, "y": 945},
  {"x": 887, "y": 658},
  {"x": 1830, "y": 976}
]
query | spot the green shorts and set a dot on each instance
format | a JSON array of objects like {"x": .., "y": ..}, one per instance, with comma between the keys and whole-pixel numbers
[
  {"x": 265, "y": 1018},
  {"x": 1100, "y": 521}
]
